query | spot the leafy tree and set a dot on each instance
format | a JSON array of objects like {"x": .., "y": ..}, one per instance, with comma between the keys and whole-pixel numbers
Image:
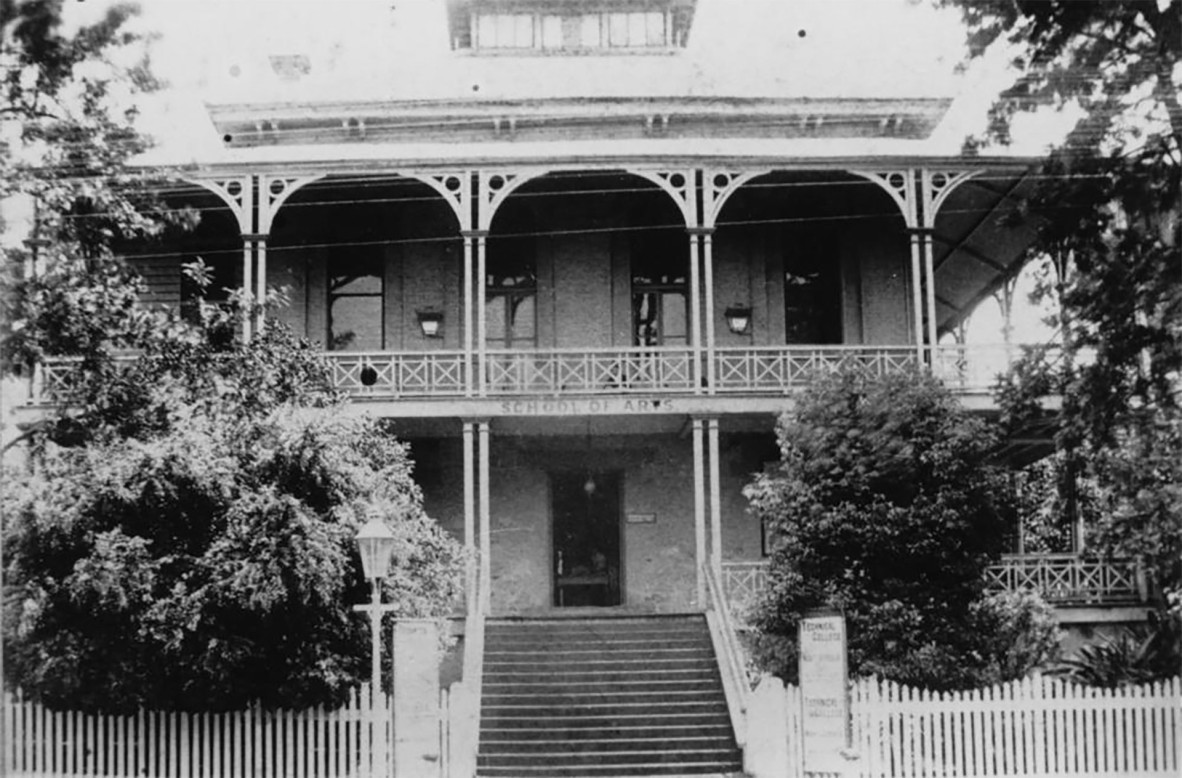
[
  {"x": 1111, "y": 222},
  {"x": 883, "y": 507},
  {"x": 196, "y": 550},
  {"x": 185, "y": 537}
]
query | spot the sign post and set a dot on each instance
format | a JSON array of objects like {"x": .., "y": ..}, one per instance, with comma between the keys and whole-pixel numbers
[{"x": 824, "y": 692}]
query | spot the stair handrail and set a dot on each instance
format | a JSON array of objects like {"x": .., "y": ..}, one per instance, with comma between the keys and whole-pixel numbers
[
  {"x": 464, "y": 720},
  {"x": 729, "y": 652}
]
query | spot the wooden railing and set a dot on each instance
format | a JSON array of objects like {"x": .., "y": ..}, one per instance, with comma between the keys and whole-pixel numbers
[
  {"x": 402, "y": 374},
  {"x": 589, "y": 371},
  {"x": 1069, "y": 579},
  {"x": 784, "y": 368},
  {"x": 757, "y": 370},
  {"x": 1060, "y": 579}
]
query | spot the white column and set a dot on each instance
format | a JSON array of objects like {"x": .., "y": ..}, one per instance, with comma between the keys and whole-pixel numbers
[
  {"x": 917, "y": 295},
  {"x": 695, "y": 312},
  {"x": 247, "y": 280},
  {"x": 699, "y": 513},
  {"x": 708, "y": 275},
  {"x": 715, "y": 499},
  {"x": 930, "y": 279},
  {"x": 470, "y": 514},
  {"x": 485, "y": 530},
  {"x": 470, "y": 382},
  {"x": 481, "y": 324},
  {"x": 261, "y": 294}
]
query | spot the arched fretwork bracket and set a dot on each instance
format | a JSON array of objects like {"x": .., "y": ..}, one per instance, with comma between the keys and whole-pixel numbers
[
  {"x": 456, "y": 190},
  {"x": 273, "y": 193},
  {"x": 717, "y": 188},
  {"x": 900, "y": 185},
  {"x": 238, "y": 195},
  {"x": 937, "y": 185},
  {"x": 494, "y": 187},
  {"x": 678, "y": 184}
]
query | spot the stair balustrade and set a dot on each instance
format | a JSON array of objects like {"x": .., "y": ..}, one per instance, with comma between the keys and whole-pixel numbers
[
  {"x": 729, "y": 653},
  {"x": 461, "y": 724}
]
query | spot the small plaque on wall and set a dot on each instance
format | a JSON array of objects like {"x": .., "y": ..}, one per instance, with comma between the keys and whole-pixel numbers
[{"x": 642, "y": 518}]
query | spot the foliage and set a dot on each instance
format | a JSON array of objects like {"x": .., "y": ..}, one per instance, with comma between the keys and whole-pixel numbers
[
  {"x": 1130, "y": 656},
  {"x": 883, "y": 507},
  {"x": 184, "y": 538},
  {"x": 1110, "y": 210},
  {"x": 197, "y": 550},
  {"x": 68, "y": 131}
]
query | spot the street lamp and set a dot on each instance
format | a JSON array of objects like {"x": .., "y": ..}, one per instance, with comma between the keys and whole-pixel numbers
[{"x": 375, "y": 541}]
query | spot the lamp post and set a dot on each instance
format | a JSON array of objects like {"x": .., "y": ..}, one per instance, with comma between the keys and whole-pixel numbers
[{"x": 375, "y": 541}]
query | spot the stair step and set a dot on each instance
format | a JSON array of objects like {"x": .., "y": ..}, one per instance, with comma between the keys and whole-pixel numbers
[
  {"x": 653, "y": 754},
  {"x": 599, "y": 686},
  {"x": 611, "y": 771},
  {"x": 604, "y": 745},
  {"x": 622, "y": 674},
  {"x": 618, "y": 720},
  {"x": 577, "y": 731}
]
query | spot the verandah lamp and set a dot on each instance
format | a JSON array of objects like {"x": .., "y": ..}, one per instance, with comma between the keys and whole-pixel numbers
[
  {"x": 430, "y": 322},
  {"x": 738, "y": 318}
]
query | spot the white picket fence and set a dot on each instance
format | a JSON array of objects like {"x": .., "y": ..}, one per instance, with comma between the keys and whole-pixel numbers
[
  {"x": 1033, "y": 727},
  {"x": 315, "y": 743}
]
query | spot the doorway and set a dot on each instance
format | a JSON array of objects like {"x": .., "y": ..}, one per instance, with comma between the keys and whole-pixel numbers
[{"x": 586, "y": 535}]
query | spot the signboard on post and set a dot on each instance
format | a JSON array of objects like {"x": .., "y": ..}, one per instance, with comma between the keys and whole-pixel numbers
[{"x": 824, "y": 692}]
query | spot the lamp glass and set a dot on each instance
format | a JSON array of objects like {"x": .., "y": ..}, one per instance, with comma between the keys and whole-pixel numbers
[
  {"x": 738, "y": 319},
  {"x": 430, "y": 322},
  {"x": 375, "y": 541}
]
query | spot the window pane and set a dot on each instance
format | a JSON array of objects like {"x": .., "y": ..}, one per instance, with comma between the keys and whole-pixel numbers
[
  {"x": 355, "y": 324},
  {"x": 673, "y": 319},
  {"x": 486, "y": 31},
  {"x": 618, "y": 29},
  {"x": 523, "y": 325},
  {"x": 636, "y": 33},
  {"x": 660, "y": 268},
  {"x": 513, "y": 269},
  {"x": 523, "y": 30},
  {"x": 355, "y": 275},
  {"x": 494, "y": 319},
  {"x": 589, "y": 34},
  {"x": 654, "y": 26},
  {"x": 552, "y": 32},
  {"x": 644, "y": 317}
]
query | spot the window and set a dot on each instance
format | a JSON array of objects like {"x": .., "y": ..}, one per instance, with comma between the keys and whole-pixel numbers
[
  {"x": 812, "y": 293},
  {"x": 660, "y": 299},
  {"x": 505, "y": 31},
  {"x": 556, "y": 32},
  {"x": 511, "y": 289},
  {"x": 636, "y": 30},
  {"x": 355, "y": 308}
]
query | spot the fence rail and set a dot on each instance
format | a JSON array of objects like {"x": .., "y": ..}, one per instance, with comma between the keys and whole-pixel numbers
[
  {"x": 785, "y": 368},
  {"x": 315, "y": 743},
  {"x": 1033, "y": 727}
]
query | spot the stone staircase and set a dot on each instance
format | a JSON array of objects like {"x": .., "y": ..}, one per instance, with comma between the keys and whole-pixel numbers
[{"x": 603, "y": 696}]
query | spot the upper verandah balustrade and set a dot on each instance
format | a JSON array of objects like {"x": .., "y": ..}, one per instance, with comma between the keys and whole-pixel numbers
[{"x": 732, "y": 371}]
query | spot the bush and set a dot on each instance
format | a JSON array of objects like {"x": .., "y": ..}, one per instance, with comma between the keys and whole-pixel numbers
[{"x": 883, "y": 508}]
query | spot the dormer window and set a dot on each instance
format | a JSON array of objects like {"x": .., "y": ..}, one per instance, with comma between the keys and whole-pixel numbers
[{"x": 550, "y": 27}]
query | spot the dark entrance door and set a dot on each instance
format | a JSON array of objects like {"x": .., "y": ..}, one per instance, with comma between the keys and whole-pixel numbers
[{"x": 586, "y": 560}]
